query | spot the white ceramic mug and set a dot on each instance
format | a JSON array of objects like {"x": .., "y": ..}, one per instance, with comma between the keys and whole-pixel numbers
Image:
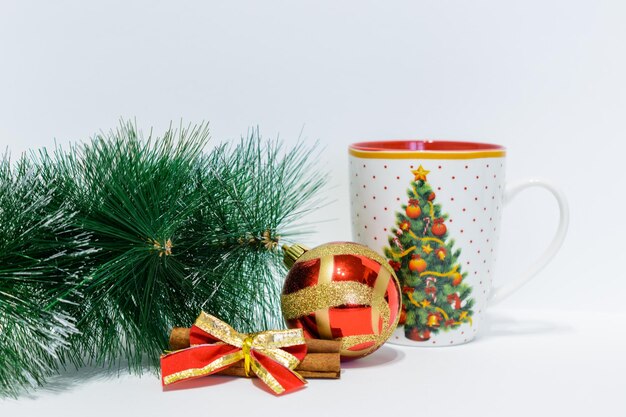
[{"x": 433, "y": 208}]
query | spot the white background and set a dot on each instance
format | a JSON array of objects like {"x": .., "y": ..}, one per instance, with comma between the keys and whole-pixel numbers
[{"x": 544, "y": 78}]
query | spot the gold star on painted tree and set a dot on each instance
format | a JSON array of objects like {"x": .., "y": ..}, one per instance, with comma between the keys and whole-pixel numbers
[
  {"x": 427, "y": 249},
  {"x": 420, "y": 173}
]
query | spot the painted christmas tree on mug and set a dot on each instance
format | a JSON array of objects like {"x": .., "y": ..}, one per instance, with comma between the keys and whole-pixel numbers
[{"x": 435, "y": 296}]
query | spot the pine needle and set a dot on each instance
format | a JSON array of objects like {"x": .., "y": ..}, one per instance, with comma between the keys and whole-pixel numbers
[
  {"x": 172, "y": 230},
  {"x": 36, "y": 240}
]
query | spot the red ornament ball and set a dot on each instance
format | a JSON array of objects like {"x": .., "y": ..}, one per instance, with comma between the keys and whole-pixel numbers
[
  {"x": 417, "y": 264},
  {"x": 343, "y": 291},
  {"x": 413, "y": 210},
  {"x": 431, "y": 196},
  {"x": 439, "y": 229}
]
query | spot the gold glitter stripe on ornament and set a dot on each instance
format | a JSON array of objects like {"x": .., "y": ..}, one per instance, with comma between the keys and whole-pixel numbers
[
  {"x": 388, "y": 327},
  {"x": 380, "y": 288},
  {"x": 345, "y": 248},
  {"x": 335, "y": 294},
  {"x": 439, "y": 274},
  {"x": 354, "y": 353},
  {"x": 206, "y": 370},
  {"x": 349, "y": 342}
]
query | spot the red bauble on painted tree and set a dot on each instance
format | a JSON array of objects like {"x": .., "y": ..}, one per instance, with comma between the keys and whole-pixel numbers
[
  {"x": 417, "y": 264},
  {"x": 413, "y": 210},
  {"x": 439, "y": 229},
  {"x": 341, "y": 291}
]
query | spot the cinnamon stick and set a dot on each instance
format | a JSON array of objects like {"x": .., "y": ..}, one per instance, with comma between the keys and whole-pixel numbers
[
  {"x": 179, "y": 338},
  {"x": 321, "y": 361},
  {"x": 314, "y": 365}
]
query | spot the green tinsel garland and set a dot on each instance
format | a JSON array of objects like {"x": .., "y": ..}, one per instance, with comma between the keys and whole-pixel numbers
[
  {"x": 37, "y": 244},
  {"x": 163, "y": 230}
]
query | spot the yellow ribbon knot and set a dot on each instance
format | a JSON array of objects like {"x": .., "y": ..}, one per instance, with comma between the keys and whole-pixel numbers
[{"x": 247, "y": 359}]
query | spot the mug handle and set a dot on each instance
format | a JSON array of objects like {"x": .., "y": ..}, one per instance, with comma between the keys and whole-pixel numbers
[{"x": 500, "y": 293}]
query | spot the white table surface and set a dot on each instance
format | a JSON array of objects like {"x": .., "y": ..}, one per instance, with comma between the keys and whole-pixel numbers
[{"x": 523, "y": 364}]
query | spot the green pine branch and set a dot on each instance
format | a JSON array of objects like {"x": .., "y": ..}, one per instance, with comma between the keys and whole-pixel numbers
[
  {"x": 173, "y": 230},
  {"x": 37, "y": 239},
  {"x": 106, "y": 245}
]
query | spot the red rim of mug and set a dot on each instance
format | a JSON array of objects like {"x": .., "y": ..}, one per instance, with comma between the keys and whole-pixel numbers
[{"x": 425, "y": 145}]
